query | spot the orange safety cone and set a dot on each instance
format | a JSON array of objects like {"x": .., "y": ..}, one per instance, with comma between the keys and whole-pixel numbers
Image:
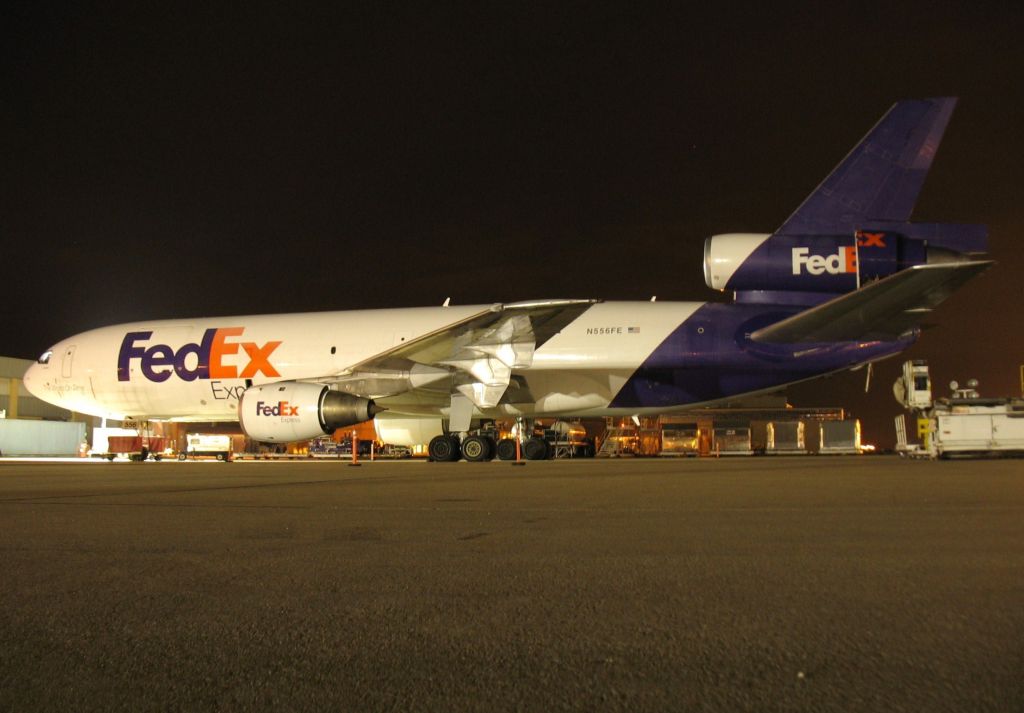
[
  {"x": 355, "y": 450},
  {"x": 519, "y": 452}
]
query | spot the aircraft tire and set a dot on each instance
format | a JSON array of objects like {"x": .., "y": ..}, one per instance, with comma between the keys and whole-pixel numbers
[
  {"x": 456, "y": 448},
  {"x": 476, "y": 449},
  {"x": 536, "y": 449},
  {"x": 506, "y": 449},
  {"x": 443, "y": 449}
]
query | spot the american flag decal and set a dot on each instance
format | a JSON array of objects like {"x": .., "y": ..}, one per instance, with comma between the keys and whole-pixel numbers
[{"x": 633, "y": 330}]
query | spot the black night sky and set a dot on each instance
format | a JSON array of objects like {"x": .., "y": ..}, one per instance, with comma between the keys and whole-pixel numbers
[{"x": 165, "y": 161}]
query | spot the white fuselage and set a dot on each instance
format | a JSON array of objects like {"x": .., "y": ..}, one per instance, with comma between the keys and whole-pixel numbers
[{"x": 159, "y": 374}]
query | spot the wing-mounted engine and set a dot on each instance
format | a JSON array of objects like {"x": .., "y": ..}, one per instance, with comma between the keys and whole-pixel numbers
[{"x": 299, "y": 410}]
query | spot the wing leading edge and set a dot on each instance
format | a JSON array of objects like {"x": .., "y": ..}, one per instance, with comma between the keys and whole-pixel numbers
[{"x": 473, "y": 357}]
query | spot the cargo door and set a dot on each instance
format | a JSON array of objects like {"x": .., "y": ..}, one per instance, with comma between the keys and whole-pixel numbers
[{"x": 69, "y": 355}]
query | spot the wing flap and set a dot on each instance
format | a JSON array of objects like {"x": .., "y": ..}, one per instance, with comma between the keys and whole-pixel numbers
[
  {"x": 881, "y": 310},
  {"x": 473, "y": 357}
]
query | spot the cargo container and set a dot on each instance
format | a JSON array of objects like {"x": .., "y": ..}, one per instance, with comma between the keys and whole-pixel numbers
[
  {"x": 785, "y": 437},
  {"x": 839, "y": 437},
  {"x": 733, "y": 442},
  {"x": 680, "y": 441}
]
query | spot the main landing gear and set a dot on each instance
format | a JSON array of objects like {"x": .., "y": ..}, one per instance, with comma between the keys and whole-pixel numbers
[
  {"x": 444, "y": 449},
  {"x": 478, "y": 448}
]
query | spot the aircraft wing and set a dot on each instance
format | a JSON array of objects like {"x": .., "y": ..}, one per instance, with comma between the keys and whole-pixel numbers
[
  {"x": 475, "y": 355},
  {"x": 881, "y": 310}
]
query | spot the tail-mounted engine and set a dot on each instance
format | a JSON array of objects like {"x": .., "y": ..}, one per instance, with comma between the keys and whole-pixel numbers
[
  {"x": 297, "y": 411},
  {"x": 744, "y": 261}
]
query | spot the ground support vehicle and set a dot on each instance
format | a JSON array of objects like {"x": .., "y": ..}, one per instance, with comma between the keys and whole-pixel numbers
[
  {"x": 208, "y": 444},
  {"x": 963, "y": 425},
  {"x": 137, "y": 448}
]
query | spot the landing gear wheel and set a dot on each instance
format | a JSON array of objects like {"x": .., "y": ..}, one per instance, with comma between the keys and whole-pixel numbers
[
  {"x": 536, "y": 449},
  {"x": 506, "y": 449},
  {"x": 182, "y": 456},
  {"x": 476, "y": 449},
  {"x": 444, "y": 449}
]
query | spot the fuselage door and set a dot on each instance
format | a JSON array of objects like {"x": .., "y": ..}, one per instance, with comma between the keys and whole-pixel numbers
[{"x": 69, "y": 355}]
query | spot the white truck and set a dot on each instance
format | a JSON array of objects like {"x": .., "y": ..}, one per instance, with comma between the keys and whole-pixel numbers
[
  {"x": 964, "y": 424},
  {"x": 217, "y": 445}
]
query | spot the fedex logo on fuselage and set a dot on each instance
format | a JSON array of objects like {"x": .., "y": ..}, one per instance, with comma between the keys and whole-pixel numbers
[
  {"x": 205, "y": 360},
  {"x": 844, "y": 261}
]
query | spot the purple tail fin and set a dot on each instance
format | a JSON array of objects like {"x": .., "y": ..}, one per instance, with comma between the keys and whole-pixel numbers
[
  {"x": 855, "y": 227},
  {"x": 880, "y": 179}
]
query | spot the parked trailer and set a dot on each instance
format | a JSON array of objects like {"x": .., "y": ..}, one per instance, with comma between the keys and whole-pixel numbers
[
  {"x": 137, "y": 448},
  {"x": 40, "y": 438}
]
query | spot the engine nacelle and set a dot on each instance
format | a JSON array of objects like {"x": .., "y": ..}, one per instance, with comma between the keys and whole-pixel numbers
[
  {"x": 297, "y": 411},
  {"x": 819, "y": 263}
]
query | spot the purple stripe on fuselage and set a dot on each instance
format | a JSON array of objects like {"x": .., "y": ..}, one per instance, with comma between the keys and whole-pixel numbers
[{"x": 710, "y": 357}]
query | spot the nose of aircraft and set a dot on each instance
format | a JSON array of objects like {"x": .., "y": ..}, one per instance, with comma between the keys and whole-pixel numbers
[{"x": 31, "y": 379}]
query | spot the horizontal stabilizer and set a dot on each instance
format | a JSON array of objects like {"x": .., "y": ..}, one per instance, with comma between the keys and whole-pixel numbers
[{"x": 882, "y": 310}]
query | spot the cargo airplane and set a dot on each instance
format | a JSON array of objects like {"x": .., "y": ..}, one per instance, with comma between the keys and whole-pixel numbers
[{"x": 845, "y": 281}]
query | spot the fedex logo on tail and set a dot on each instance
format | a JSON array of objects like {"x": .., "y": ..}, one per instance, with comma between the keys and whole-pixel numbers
[
  {"x": 844, "y": 261},
  {"x": 205, "y": 360}
]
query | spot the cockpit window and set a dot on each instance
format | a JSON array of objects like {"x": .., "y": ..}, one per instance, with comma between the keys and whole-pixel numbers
[{"x": 45, "y": 357}]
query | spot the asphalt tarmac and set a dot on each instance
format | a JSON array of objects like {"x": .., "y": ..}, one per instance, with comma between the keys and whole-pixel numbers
[{"x": 790, "y": 584}]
